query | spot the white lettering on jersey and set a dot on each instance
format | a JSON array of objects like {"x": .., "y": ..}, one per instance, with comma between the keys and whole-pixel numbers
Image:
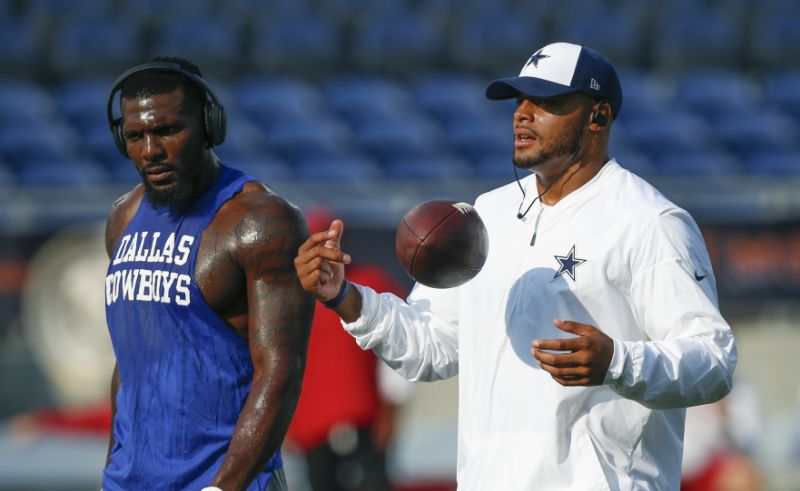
[
  {"x": 141, "y": 254},
  {"x": 169, "y": 247},
  {"x": 155, "y": 254},
  {"x": 130, "y": 254},
  {"x": 144, "y": 285},
  {"x": 182, "y": 288},
  {"x": 121, "y": 249},
  {"x": 140, "y": 247},
  {"x": 184, "y": 248}
]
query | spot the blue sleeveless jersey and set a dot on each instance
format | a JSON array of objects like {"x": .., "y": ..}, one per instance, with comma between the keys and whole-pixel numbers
[{"x": 184, "y": 374}]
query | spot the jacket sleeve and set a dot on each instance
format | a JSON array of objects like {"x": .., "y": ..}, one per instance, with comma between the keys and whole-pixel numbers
[
  {"x": 689, "y": 354},
  {"x": 418, "y": 338}
]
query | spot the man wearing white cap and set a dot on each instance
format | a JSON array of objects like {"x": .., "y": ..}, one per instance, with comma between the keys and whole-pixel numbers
[{"x": 594, "y": 322}]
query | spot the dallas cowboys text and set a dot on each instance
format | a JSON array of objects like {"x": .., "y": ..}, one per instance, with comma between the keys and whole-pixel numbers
[{"x": 150, "y": 285}]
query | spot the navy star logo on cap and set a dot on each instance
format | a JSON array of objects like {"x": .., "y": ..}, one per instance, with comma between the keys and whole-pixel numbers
[
  {"x": 535, "y": 58},
  {"x": 568, "y": 264}
]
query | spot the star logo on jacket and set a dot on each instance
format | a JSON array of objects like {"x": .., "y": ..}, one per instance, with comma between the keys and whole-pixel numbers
[
  {"x": 535, "y": 58},
  {"x": 567, "y": 264}
]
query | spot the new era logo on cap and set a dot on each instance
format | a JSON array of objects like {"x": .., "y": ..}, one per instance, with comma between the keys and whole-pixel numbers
[{"x": 562, "y": 68}]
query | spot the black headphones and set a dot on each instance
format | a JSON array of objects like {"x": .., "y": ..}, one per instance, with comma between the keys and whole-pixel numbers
[{"x": 214, "y": 119}]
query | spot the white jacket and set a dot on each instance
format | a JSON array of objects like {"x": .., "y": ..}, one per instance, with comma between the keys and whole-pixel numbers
[{"x": 638, "y": 270}]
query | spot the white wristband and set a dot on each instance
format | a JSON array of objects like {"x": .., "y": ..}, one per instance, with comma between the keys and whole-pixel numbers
[{"x": 211, "y": 488}]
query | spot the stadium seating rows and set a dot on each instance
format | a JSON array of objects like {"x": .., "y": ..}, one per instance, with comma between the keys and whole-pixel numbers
[
  {"x": 393, "y": 89},
  {"x": 64, "y": 38},
  {"x": 359, "y": 126}
]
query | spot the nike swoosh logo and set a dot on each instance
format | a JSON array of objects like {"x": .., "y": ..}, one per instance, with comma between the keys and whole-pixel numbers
[{"x": 699, "y": 277}]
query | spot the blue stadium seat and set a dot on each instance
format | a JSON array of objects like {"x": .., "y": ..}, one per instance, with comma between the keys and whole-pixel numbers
[
  {"x": 345, "y": 12},
  {"x": 94, "y": 47},
  {"x": 757, "y": 132},
  {"x": 58, "y": 9},
  {"x": 776, "y": 38},
  {"x": 403, "y": 139},
  {"x": 773, "y": 163},
  {"x": 699, "y": 38},
  {"x": 634, "y": 161},
  {"x": 99, "y": 143},
  {"x": 364, "y": 99},
  {"x": 302, "y": 44},
  {"x": 83, "y": 102},
  {"x": 615, "y": 34},
  {"x": 244, "y": 138},
  {"x": 21, "y": 47},
  {"x": 497, "y": 165},
  {"x": 338, "y": 168},
  {"x": 669, "y": 132},
  {"x": 474, "y": 139},
  {"x": 434, "y": 167},
  {"x": 717, "y": 94},
  {"x": 19, "y": 146},
  {"x": 294, "y": 141},
  {"x": 158, "y": 13},
  {"x": 644, "y": 95},
  {"x": 121, "y": 171},
  {"x": 25, "y": 105},
  {"x": 211, "y": 44},
  {"x": 273, "y": 101},
  {"x": 497, "y": 44},
  {"x": 255, "y": 11},
  {"x": 782, "y": 91},
  {"x": 696, "y": 163},
  {"x": 61, "y": 173},
  {"x": 7, "y": 179},
  {"x": 451, "y": 97},
  {"x": 265, "y": 169},
  {"x": 397, "y": 43}
]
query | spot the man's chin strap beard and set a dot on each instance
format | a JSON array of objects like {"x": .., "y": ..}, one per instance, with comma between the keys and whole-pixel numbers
[{"x": 572, "y": 159}]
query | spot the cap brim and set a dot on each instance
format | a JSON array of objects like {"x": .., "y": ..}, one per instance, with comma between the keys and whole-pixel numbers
[{"x": 509, "y": 88}]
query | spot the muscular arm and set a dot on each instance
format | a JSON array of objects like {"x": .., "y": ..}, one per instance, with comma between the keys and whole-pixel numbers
[{"x": 279, "y": 323}]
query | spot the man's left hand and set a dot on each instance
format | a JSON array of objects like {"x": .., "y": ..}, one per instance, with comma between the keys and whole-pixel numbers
[{"x": 583, "y": 360}]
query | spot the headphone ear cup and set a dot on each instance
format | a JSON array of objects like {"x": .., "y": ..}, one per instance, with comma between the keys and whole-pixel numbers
[
  {"x": 216, "y": 123},
  {"x": 119, "y": 138},
  {"x": 598, "y": 118}
]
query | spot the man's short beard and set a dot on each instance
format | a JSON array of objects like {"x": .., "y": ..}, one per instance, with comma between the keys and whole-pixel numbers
[
  {"x": 568, "y": 146},
  {"x": 176, "y": 197}
]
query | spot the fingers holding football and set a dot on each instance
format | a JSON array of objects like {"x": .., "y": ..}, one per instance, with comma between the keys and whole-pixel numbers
[{"x": 582, "y": 360}]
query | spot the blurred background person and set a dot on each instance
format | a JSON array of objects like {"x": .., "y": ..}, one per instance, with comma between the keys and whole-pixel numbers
[
  {"x": 347, "y": 414},
  {"x": 720, "y": 441}
]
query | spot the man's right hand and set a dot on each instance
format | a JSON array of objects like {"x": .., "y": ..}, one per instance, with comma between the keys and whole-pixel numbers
[{"x": 320, "y": 262}]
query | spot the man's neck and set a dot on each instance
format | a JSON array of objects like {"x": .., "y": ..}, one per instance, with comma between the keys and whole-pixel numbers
[{"x": 554, "y": 188}]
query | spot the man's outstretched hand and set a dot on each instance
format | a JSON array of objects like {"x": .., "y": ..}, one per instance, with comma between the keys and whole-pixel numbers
[{"x": 320, "y": 262}]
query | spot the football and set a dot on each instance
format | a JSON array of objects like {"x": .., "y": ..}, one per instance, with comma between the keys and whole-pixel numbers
[{"x": 442, "y": 243}]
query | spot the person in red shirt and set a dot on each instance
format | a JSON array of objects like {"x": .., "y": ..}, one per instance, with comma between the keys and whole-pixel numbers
[{"x": 344, "y": 421}]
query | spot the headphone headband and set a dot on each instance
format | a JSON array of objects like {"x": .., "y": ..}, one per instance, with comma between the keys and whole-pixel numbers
[
  {"x": 213, "y": 111},
  {"x": 164, "y": 66}
]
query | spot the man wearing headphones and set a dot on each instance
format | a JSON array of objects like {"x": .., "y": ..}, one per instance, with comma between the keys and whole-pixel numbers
[
  {"x": 208, "y": 321},
  {"x": 593, "y": 323}
]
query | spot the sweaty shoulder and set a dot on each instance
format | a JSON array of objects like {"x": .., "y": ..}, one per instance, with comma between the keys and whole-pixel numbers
[
  {"x": 122, "y": 212},
  {"x": 258, "y": 217}
]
